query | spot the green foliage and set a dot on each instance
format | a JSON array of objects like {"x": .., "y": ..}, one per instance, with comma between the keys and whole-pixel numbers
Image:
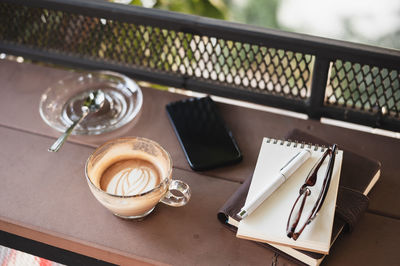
[
  {"x": 196, "y": 7},
  {"x": 207, "y": 8},
  {"x": 136, "y": 2},
  {"x": 256, "y": 12}
]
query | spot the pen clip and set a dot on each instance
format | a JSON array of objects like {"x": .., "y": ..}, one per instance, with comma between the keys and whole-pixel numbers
[{"x": 283, "y": 167}]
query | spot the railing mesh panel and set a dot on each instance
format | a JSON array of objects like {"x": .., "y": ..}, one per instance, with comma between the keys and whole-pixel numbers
[
  {"x": 364, "y": 87},
  {"x": 249, "y": 68},
  {"x": 237, "y": 64}
]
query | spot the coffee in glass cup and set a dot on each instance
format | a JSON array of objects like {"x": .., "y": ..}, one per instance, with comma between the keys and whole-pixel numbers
[{"x": 129, "y": 176}]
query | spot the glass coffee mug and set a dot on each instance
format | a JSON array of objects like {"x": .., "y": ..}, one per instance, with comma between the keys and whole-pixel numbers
[{"x": 131, "y": 175}]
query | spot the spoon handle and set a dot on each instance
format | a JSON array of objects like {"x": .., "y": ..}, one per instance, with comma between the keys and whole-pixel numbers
[{"x": 60, "y": 141}]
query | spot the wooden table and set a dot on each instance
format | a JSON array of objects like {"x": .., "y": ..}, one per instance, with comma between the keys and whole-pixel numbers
[{"x": 44, "y": 196}]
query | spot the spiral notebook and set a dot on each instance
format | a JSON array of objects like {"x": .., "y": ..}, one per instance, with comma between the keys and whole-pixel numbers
[{"x": 268, "y": 222}]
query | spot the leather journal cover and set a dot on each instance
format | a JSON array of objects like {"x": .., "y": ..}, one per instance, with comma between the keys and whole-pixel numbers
[{"x": 359, "y": 174}]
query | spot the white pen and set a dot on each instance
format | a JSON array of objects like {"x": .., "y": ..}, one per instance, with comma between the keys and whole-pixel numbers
[{"x": 286, "y": 171}]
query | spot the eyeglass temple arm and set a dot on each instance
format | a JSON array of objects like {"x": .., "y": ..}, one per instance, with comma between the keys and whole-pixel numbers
[
  {"x": 327, "y": 180},
  {"x": 290, "y": 227}
]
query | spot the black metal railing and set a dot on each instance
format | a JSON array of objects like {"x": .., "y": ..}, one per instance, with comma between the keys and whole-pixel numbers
[{"x": 316, "y": 76}]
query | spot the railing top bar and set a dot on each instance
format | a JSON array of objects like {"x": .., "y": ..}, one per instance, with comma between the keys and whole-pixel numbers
[{"x": 318, "y": 46}]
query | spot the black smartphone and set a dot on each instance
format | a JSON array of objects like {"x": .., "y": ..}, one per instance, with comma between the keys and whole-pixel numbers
[{"x": 202, "y": 133}]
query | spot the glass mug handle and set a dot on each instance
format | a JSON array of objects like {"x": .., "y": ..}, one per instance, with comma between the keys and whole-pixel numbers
[{"x": 174, "y": 200}]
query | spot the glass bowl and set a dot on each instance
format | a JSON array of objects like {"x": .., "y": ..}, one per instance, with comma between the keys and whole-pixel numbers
[{"x": 61, "y": 103}]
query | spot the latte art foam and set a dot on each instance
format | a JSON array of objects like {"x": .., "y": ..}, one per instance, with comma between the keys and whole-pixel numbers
[{"x": 130, "y": 177}]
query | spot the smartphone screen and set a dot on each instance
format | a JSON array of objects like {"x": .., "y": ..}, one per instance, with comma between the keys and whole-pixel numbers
[{"x": 205, "y": 140}]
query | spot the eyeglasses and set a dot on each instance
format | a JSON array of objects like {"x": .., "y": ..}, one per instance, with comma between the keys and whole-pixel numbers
[{"x": 303, "y": 210}]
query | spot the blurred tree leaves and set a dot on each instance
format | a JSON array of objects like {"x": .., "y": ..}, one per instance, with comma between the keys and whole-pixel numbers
[
  {"x": 207, "y": 8},
  {"x": 197, "y": 7},
  {"x": 136, "y": 2},
  {"x": 255, "y": 12}
]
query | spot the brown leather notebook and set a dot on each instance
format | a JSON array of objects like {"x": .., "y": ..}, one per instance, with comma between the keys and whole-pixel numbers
[{"x": 359, "y": 174}]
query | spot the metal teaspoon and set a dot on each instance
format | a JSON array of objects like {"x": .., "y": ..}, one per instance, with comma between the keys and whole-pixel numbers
[{"x": 92, "y": 103}]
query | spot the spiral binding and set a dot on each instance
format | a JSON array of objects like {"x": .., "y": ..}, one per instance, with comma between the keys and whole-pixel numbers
[{"x": 296, "y": 144}]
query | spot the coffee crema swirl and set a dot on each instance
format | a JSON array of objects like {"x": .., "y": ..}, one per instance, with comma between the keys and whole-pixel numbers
[{"x": 130, "y": 177}]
